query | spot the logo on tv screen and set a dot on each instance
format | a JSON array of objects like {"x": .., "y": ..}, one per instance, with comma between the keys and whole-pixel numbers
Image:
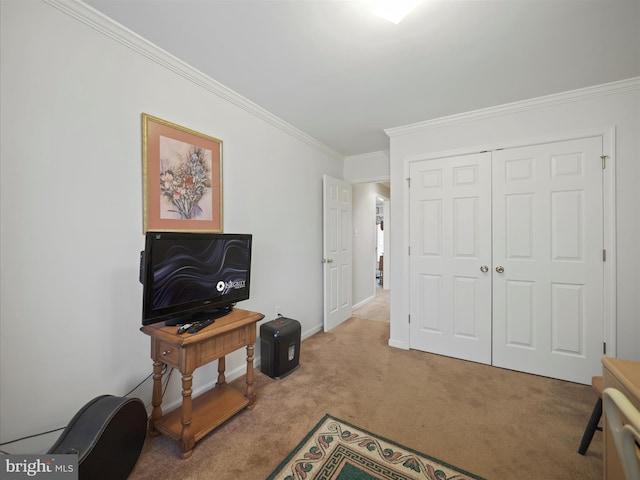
[{"x": 225, "y": 287}]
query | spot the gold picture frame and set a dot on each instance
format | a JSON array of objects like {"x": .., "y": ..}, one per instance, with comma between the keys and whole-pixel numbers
[{"x": 182, "y": 178}]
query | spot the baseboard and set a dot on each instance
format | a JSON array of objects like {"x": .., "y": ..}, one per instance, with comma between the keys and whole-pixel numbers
[
  {"x": 398, "y": 344},
  {"x": 233, "y": 374},
  {"x": 363, "y": 303},
  {"x": 308, "y": 333}
]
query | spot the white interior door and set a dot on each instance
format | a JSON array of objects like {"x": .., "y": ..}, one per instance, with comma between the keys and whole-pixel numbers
[
  {"x": 337, "y": 251},
  {"x": 450, "y": 256},
  {"x": 534, "y": 217},
  {"x": 548, "y": 314}
]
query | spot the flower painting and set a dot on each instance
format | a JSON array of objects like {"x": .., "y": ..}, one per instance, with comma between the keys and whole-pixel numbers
[
  {"x": 185, "y": 180},
  {"x": 182, "y": 175}
]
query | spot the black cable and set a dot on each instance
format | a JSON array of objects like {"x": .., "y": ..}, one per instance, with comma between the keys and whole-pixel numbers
[
  {"x": 134, "y": 388},
  {"x": 167, "y": 382},
  {"x": 164, "y": 369},
  {"x": 27, "y": 437}
]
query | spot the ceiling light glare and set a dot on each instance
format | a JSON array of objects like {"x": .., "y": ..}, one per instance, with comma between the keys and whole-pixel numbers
[{"x": 392, "y": 10}]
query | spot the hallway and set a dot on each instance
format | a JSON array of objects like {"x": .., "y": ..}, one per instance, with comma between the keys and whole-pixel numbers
[{"x": 377, "y": 309}]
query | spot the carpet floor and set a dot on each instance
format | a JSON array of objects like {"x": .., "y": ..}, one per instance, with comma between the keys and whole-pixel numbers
[{"x": 496, "y": 423}]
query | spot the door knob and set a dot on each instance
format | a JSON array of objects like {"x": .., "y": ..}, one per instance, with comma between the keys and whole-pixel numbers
[
  {"x": 327, "y": 260},
  {"x": 484, "y": 269},
  {"x": 499, "y": 269}
]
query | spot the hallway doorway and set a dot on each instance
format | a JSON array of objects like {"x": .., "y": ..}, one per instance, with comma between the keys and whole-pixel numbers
[
  {"x": 367, "y": 219},
  {"x": 379, "y": 260},
  {"x": 377, "y": 309}
]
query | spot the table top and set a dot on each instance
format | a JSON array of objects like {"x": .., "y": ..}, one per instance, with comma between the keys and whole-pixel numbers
[
  {"x": 627, "y": 372},
  {"x": 236, "y": 319}
]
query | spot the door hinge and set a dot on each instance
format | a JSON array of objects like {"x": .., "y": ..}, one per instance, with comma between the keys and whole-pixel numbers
[
  {"x": 604, "y": 161},
  {"x": 408, "y": 182},
  {"x": 409, "y": 318},
  {"x": 604, "y": 255},
  {"x": 409, "y": 250},
  {"x": 604, "y": 348}
]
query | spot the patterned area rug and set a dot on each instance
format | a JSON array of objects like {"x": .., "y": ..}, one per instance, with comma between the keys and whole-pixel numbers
[{"x": 336, "y": 450}]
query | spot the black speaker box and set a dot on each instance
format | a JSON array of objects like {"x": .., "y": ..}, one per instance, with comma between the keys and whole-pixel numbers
[{"x": 279, "y": 347}]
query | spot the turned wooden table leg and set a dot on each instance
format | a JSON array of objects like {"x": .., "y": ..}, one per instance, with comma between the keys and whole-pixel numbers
[
  {"x": 251, "y": 394},
  {"x": 187, "y": 440},
  {"x": 197, "y": 417},
  {"x": 222, "y": 365},
  {"x": 156, "y": 399}
]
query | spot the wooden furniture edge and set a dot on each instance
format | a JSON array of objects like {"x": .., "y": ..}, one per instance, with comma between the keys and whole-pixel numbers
[
  {"x": 626, "y": 371},
  {"x": 221, "y": 325}
]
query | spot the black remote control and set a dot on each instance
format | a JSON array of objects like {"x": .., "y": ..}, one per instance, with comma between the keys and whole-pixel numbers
[
  {"x": 184, "y": 328},
  {"x": 200, "y": 325}
]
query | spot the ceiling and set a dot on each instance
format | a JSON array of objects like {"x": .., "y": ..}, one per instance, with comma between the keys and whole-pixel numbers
[{"x": 342, "y": 75}]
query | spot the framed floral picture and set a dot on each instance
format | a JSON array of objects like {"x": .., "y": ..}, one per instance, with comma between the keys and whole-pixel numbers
[{"x": 182, "y": 178}]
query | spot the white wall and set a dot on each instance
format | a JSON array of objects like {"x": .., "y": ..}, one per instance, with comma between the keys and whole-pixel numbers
[
  {"x": 613, "y": 108},
  {"x": 71, "y": 209},
  {"x": 368, "y": 167},
  {"x": 364, "y": 243}
]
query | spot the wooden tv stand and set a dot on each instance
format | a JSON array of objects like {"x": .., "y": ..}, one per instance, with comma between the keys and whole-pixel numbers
[{"x": 199, "y": 416}]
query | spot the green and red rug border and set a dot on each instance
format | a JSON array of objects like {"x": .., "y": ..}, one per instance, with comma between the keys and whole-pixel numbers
[{"x": 327, "y": 416}]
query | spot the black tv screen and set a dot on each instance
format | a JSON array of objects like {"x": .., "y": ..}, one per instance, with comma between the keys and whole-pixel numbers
[{"x": 192, "y": 276}]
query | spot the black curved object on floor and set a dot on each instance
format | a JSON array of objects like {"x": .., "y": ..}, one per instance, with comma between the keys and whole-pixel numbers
[{"x": 107, "y": 434}]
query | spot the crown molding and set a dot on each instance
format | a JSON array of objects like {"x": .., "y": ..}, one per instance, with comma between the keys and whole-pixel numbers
[
  {"x": 612, "y": 88},
  {"x": 380, "y": 154},
  {"x": 110, "y": 28}
]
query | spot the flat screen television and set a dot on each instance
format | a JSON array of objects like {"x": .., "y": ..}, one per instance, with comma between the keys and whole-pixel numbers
[{"x": 189, "y": 277}]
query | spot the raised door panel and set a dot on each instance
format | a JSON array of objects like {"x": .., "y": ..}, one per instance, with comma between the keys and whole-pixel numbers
[
  {"x": 548, "y": 231},
  {"x": 450, "y": 240},
  {"x": 337, "y": 249}
]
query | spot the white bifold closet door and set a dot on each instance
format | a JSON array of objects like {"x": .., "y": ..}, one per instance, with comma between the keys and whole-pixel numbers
[
  {"x": 450, "y": 240},
  {"x": 533, "y": 299}
]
